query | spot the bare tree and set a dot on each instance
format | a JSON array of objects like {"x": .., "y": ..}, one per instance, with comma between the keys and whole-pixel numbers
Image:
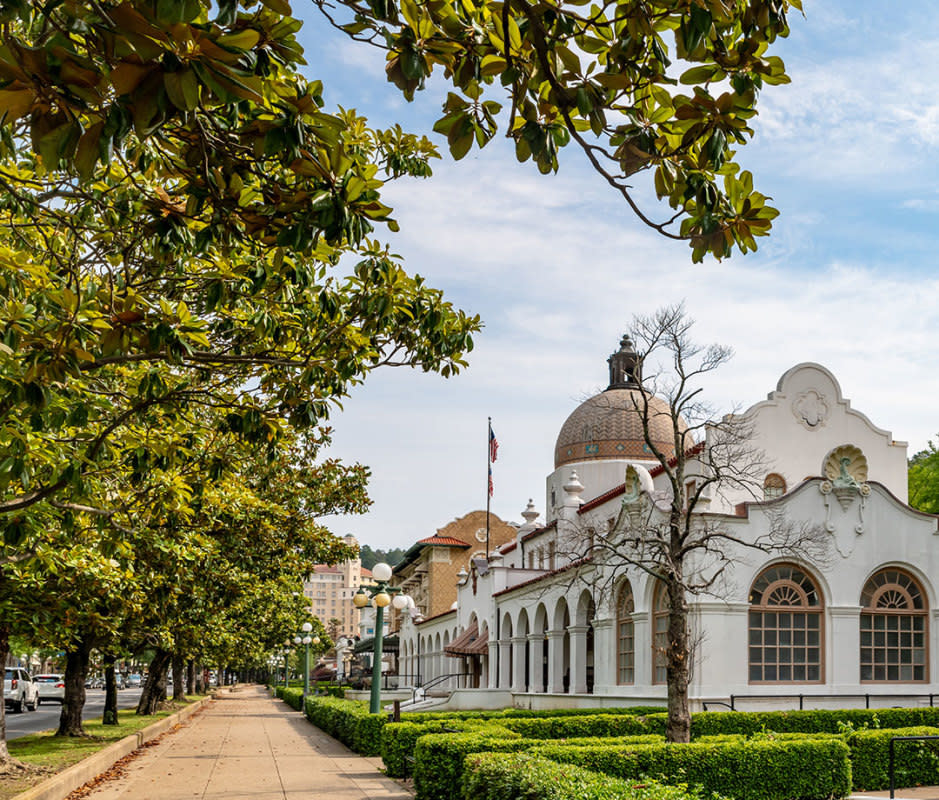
[{"x": 669, "y": 532}]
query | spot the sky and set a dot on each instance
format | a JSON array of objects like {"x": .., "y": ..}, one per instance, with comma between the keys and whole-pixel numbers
[{"x": 557, "y": 266}]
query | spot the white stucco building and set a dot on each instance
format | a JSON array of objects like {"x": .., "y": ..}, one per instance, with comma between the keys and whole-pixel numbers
[{"x": 541, "y": 625}]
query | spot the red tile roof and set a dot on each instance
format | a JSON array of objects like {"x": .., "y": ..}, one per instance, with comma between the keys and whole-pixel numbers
[
  {"x": 446, "y": 541},
  {"x": 550, "y": 526},
  {"x": 577, "y": 563},
  {"x": 657, "y": 470}
]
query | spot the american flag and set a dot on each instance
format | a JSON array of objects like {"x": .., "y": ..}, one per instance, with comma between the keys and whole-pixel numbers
[{"x": 493, "y": 447}]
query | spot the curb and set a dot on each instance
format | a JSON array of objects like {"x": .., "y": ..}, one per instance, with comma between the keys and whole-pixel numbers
[{"x": 74, "y": 777}]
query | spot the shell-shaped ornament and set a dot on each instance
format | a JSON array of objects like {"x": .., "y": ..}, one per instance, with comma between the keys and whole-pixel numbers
[{"x": 846, "y": 466}]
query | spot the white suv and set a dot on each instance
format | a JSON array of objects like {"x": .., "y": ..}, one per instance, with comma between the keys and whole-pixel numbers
[{"x": 19, "y": 690}]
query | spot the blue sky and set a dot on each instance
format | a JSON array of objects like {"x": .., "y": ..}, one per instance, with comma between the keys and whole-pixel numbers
[{"x": 557, "y": 266}]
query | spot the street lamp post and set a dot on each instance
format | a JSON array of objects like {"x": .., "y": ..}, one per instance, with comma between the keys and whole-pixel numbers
[
  {"x": 381, "y": 594},
  {"x": 304, "y": 638},
  {"x": 286, "y": 666}
]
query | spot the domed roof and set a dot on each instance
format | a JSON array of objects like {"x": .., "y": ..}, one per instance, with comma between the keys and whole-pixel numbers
[{"x": 609, "y": 425}]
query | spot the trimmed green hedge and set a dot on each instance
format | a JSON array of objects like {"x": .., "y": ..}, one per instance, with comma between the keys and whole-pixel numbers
[
  {"x": 814, "y": 769},
  {"x": 292, "y": 697},
  {"x": 498, "y": 776},
  {"x": 708, "y": 723},
  {"x": 398, "y": 740},
  {"x": 417, "y": 716},
  {"x": 439, "y": 758},
  {"x": 589, "y": 725},
  {"x": 349, "y": 721},
  {"x": 915, "y": 763}
]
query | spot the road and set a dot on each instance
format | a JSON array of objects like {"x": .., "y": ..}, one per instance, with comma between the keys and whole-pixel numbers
[{"x": 47, "y": 715}]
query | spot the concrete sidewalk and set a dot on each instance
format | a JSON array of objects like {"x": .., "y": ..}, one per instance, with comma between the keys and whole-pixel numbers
[{"x": 247, "y": 745}]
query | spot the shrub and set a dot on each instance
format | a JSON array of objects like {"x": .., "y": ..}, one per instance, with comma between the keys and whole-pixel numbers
[
  {"x": 292, "y": 697},
  {"x": 398, "y": 740},
  {"x": 349, "y": 721},
  {"x": 708, "y": 723},
  {"x": 438, "y": 758},
  {"x": 915, "y": 763},
  {"x": 749, "y": 770},
  {"x": 587, "y": 725},
  {"x": 492, "y": 776}
]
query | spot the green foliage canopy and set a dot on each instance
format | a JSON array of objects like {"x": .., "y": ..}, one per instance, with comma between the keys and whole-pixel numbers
[{"x": 661, "y": 86}]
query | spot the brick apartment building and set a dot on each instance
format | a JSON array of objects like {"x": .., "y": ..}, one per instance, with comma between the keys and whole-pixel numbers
[{"x": 330, "y": 588}]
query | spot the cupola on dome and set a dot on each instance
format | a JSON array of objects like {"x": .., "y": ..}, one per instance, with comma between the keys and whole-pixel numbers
[{"x": 609, "y": 425}]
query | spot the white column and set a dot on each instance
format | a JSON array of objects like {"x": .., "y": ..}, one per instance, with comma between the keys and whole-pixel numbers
[
  {"x": 505, "y": 658},
  {"x": 604, "y": 653},
  {"x": 578, "y": 683},
  {"x": 535, "y": 644},
  {"x": 842, "y": 652},
  {"x": 492, "y": 673},
  {"x": 556, "y": 662},
  {"x": 519, "y": 678}
]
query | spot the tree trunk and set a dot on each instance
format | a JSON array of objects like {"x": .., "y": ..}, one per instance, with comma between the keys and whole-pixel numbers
[
  {"x": 5, "y": 758},
  {"x": 678, "y": 657},
  {"x": 154, "y": 688},
  {"x": 201, "y": 682},
  {"x": 191, "y": 676},
  {"x": 179, "y": 678},
  {"x": 109, "y": 717},
  {"x": 76, "y": 669}
]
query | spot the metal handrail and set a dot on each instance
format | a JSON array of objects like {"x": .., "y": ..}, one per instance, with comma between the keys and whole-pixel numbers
[
  {"x": 902, "y": 739},
  {"x": 437, "y": 680},
  {"x": 802, "y": 697}
]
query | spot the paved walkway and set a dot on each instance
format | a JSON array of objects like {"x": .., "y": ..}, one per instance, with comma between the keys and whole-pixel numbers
[{"x": 247, "y": 746}]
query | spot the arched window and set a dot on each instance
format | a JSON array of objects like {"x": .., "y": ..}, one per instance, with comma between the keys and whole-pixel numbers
[
  {"x": 785, "y": 627},
  {"x": 774, "y": 486},
  {"x": 660, "y": 634},
  {"x": 893, "y": 628},
  {"x": 625, "y": 640}
]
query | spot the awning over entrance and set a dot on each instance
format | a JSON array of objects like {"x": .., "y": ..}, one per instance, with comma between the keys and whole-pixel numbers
[
  {"x": 468, "y": 643},
  {"x": 389, "y": 644}
]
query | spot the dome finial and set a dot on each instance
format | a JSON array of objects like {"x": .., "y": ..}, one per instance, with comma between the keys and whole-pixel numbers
[{"x": 625, "y": 366}]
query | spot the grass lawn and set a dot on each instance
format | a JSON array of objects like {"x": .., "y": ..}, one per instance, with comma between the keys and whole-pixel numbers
[{"x": 55, "y": 753}]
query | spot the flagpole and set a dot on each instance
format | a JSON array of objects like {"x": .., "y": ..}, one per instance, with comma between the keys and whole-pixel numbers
[{"x": 488, "y": 481}]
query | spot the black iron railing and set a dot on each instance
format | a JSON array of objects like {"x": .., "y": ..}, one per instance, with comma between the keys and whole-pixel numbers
[
  {"x": 731, "y": 703},
  {"x": 902, "y": 739}
]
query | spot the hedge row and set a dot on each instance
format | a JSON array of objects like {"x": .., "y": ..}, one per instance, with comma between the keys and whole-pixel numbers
[
  {"x": 348, "y": 721},
  {"x": 813, "y": 769},
  {"x": 439, "y": 758},
  {"x": 398, "y": 739},
  {"x": 915, "y": 763},
  {"x": 292, "y": 697},
  {"x": 417, "y": 716},
  {"x": 708, "y": 723},
  {"x": 496, "y": 776},
  {"x": 592, "y": 725}
]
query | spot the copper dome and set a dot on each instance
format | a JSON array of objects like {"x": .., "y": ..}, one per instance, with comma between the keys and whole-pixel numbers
[{"x": 609, "y": 425}]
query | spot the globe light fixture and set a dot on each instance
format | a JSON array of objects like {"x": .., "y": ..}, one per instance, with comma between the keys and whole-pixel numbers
[{"x": 381, "y": 593}]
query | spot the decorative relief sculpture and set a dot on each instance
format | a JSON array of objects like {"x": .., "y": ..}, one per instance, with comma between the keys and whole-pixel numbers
[
  {"x": 845, "y": 468},
  {"x": 811, "y": 409},
  {"x": 631, "y": 495}
]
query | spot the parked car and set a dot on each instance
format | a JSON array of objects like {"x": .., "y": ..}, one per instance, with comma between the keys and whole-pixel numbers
[
  {"x": 19, "y": 691},
  {"x": 133, "y": 681},
  {"x": 51, "y": 687}
]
